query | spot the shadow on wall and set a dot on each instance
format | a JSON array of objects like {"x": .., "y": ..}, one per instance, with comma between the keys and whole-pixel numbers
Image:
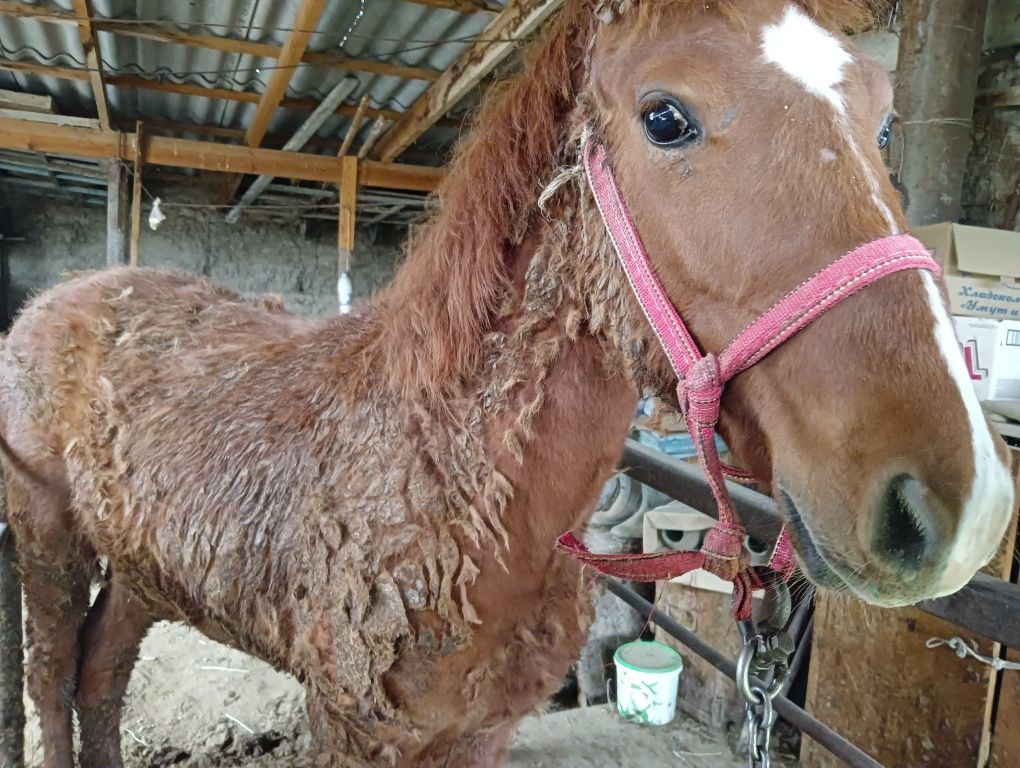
[{"x": 296, "y": 261}]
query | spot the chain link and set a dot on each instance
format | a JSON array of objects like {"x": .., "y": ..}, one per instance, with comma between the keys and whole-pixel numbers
[{"x": 762, "y": 670}]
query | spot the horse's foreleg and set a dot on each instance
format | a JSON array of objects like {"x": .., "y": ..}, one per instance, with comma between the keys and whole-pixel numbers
[{"x": 110, "y": 639}]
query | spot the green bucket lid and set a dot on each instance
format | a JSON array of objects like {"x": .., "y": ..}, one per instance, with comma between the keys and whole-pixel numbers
[{"x": 655, "y": 658}]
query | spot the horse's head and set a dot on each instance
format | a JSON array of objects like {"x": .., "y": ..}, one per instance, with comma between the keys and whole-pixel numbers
[{"x": 746, "y": 137}]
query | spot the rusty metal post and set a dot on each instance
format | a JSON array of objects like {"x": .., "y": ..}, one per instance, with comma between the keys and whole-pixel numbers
[
  {"x": 936, "y": 84},
  {"x": 12, "y": 712}
]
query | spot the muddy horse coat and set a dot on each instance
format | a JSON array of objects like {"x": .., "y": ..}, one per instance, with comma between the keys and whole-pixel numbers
[{"x": 370, "y": 502}]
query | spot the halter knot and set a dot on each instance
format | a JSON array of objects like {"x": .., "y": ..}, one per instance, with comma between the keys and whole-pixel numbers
[
  {"x": 724, "y": 551},
  {"x": 700, "y": 392}
]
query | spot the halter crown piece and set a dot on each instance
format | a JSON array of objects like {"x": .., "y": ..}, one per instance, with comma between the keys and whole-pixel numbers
[{"x": 703, "y": 376}]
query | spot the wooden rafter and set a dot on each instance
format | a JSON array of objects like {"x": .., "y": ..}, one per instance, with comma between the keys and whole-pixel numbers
[
  {"x": 272, "y": 98},
  {"x": 462, "y": 6},
  {"x": 46, "y": 70},
  {"x": 163, "y": 34},
  {"x": 29, "y": 136},
  {"x": 93, "y": 59},
  {"x": 189, "y": 89},
  {"x": 305, "y": 20},
  {"x": 250, "y": 97},
  {"x": 518, "y": 20}
]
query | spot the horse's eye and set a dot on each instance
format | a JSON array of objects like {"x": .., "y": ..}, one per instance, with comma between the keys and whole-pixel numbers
[
  {"x": 885, "y": 135},
  {"x": 667, "y": 124}
]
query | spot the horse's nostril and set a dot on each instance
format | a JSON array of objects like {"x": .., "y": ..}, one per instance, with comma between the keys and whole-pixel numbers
[{"x": 905, "y": 533}]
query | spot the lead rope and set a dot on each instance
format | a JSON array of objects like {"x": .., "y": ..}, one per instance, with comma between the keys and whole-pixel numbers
[{"x": 764, "y": 660}]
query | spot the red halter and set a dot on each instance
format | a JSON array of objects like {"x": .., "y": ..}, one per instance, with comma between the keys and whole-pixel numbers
[{"x": 703, "y": 376}]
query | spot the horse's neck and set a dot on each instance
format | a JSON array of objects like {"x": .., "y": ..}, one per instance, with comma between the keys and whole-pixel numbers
[{"x": 557, "y": 400}]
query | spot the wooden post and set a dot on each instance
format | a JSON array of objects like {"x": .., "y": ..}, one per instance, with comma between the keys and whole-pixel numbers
[
  {"x": 136, "y": 193},
  {"x": 116, "y": 213},
  {"x": 936, "y": 85},
  {"x": 12, "y": 712},
  {"x": 348, "y": 198}
]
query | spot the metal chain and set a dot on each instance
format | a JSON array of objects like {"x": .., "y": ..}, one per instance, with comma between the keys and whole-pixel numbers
[{"x": 762, "y": 669}]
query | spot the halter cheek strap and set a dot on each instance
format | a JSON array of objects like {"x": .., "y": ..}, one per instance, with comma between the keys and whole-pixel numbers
[{"x": 702, "y": 378}]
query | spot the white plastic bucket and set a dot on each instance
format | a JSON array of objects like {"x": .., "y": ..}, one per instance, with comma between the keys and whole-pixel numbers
[{"x": 647, "y": 679}]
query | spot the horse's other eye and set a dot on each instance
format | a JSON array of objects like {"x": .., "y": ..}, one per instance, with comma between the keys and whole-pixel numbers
[
  {"x": 885, "y": 135},
  {"x": 668, "y": 124}
]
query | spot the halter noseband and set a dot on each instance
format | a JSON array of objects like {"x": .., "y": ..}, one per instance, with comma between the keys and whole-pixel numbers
[{"x": 703, "y": 376}]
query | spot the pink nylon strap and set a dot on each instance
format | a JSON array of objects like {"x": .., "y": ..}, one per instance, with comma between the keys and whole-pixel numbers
[{"x": 703, "y": 376}]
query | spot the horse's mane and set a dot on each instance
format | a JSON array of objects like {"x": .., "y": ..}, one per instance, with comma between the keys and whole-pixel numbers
[{"x": 457, "y": 266}]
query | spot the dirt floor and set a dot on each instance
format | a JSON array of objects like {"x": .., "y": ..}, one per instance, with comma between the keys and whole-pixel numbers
[{"x": 195, "y": 703}]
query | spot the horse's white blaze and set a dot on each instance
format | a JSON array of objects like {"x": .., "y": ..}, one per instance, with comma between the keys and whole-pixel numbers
[
  {"x": 809, "y": 54},
  {"x": 988, "y": 508}
]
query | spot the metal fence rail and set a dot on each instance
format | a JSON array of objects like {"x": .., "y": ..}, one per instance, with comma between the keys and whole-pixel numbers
[
  {"x": 817, "y": 730},
  {"x": 986, "y": 606}
]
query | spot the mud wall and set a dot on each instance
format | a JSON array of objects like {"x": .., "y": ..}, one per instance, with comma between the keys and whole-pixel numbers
[{"x": 46, "y": 238}]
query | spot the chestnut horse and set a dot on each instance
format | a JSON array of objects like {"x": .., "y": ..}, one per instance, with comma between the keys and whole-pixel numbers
[{"x": 370, "y": 502}]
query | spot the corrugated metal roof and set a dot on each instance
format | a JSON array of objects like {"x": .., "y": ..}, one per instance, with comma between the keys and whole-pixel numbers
[
  {"x": 390, "y": 30},
  {"x": 394, "y": 31}
]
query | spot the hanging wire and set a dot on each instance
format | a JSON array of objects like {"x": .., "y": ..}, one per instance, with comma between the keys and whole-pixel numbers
[{"x": 353, "y": 24}]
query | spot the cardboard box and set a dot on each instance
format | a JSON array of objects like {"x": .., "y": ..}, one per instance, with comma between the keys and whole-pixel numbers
[
  {"x": 991, "y": 351},
  {"x": 981, "y": 268}
]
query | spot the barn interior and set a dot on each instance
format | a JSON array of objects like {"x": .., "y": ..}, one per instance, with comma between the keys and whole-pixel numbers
[{"x": 291, "y": 148}]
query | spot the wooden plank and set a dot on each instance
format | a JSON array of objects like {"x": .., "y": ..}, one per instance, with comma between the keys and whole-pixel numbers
[
  {"x": 136, "y": 193},
  {"x": 42, "y": 117},
  {"x": 1005, "y": 752},
  {"x": 519, "y": 19},
  {"x": 204, "y": 155},
  {"x": 93, "y": 59},
  {"x": 905, "y": 704},
  {"x": 26, "y": 102}
]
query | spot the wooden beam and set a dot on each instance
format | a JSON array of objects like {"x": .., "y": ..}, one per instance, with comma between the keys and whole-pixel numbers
[
  {"x": 518, "y": 20},
  {"x": 305, "y": 20},
  {"x": 461, "y": 6},
  {"x": 93, "y": 59},
  {"x": 208, "y": 156},
  {"x": 160, "y": 33},
  {"x": 136, "y": 193}
]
